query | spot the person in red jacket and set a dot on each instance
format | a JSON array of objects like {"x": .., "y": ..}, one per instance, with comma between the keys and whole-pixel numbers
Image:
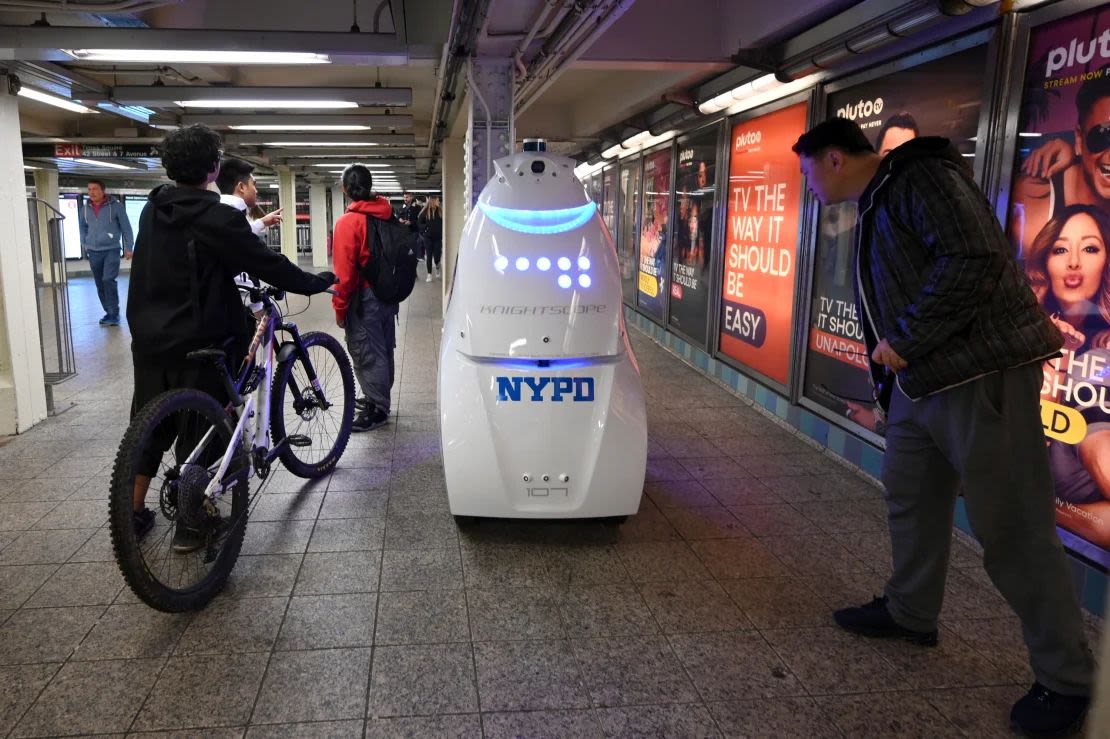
[{"x": 370, "y": 324}]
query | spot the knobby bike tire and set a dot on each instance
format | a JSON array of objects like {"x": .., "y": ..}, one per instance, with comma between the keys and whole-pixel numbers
[
  {"x": 278, "y": 431},
  {"x": 127, "y": 547}
]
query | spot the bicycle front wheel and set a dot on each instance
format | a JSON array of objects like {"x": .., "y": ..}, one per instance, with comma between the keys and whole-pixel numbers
[
  {"x": 171, "y": 451},
  {"x": 314, "y": 417}
]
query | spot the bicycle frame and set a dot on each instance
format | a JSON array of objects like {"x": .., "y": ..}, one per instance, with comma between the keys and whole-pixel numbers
[{"x": 255, "y": 409}]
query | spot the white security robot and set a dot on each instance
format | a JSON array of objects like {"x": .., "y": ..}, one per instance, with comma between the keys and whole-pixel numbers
[{"x": 540, "y": 399}]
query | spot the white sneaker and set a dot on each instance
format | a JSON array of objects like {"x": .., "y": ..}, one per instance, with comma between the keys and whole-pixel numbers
[
  {"x": 429, "y": 279},
  {"x": 437, "y": 271}
]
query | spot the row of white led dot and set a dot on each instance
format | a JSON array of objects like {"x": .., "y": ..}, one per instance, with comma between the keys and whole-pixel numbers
[{"x": 543, "y": 264}]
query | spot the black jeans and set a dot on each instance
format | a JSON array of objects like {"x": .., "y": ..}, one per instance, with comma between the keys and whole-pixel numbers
[{"x": 433, "y": 249}]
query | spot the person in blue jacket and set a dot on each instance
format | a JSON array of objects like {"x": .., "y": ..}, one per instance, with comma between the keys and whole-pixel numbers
[{"x": 105, "y": 233}]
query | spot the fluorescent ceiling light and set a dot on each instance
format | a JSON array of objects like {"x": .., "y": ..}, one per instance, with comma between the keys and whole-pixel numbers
[
  {"x": 318, "y": 143},
  {"x": 32, "y": 94},
  {"x": 585, "y": 169},
  {"x": 97, "y": 163},
  {"x": 1029, "y": 135},
  {"x": 194, "y": 56},
  {"x": 27, "y": 166},
  {"x": 612, "y": 151},
  {"x": 265, "y": 104},
  {"x": 308, "y": 127},
  {"x": 336, "y": 164},
  {"x": 330, "y": 156},
  {"x": 729, "y": 97}
]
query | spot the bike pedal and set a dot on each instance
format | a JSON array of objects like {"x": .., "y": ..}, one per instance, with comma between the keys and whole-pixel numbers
[{"x": 299, "y": 440}]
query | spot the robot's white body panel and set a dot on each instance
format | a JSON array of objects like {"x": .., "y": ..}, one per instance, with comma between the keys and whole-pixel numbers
[{"x": 540, "y": 399}]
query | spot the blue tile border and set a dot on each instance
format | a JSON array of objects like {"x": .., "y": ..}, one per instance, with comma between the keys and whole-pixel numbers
[{"x": 1090, "y": 580}]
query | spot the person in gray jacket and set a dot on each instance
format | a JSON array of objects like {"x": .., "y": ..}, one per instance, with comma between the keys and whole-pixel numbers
[
  {"x": 105, "y": 232},
  {"x": 956, "y": 340}
]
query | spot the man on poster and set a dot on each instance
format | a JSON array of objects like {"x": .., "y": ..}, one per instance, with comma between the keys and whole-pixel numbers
[
  {"x": 956, "y": 339},
  {"x": 1059, "y": 173}
]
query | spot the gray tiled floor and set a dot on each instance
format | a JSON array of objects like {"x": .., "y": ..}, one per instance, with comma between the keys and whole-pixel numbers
[{"x": 359, "y": 608}]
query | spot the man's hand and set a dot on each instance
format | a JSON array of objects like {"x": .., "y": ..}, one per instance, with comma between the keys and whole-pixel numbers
[
  {"x": 271, "y": 219},
  {"x": 1049, "y": 159},
  {"x": 341, "y": 322},
  {"x": 128, "y": 254},
  {"x": 887, "y": 357}
]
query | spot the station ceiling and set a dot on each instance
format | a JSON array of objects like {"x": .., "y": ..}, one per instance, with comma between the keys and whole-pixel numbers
[{"x": 583, "y": 66}]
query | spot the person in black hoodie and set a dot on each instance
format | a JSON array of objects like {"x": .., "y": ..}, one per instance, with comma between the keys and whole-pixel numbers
[
  {"x": 182, "y": 295},
  {"x": 957, "y": 339}
]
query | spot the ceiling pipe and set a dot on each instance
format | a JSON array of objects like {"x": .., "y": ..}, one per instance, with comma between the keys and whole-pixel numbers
[
  {"x": 533, "y": 92},
  {"x": 518, "y": 54},
  {"x": 568, "y": 41},
  {"x": 459, "y": 49},
  {"x": 567, "y": 25},
  {"x": 443, "y": 61}
]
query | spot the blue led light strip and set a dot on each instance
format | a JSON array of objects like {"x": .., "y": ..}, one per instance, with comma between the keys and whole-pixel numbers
[{"x": 540, "y": 221}]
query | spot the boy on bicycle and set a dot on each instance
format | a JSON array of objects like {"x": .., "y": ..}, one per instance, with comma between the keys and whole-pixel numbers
[{"x": 182, "y": 295}]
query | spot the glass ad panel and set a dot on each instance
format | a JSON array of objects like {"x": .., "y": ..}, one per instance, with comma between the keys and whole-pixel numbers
[
  {"x": 761, "y": 247},
  {"x": 1059, "y": 222},
  {"x": 654, "y": 234},
  {"x": 70, "y": 205},
  {"x": 937, "y": 98},
  {"x": 609, "y": 198},
  {"x": 696, "y": 192},
  {"x": 626, "y": 243}
]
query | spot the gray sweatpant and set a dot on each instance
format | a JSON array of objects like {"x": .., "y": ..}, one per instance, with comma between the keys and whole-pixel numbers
[
  {"x": 371, "y": 338},
  {"x": 985, "y": 436}
]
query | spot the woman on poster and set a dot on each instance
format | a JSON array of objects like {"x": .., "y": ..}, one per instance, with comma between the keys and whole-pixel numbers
[{"x": 1068, "y": 269}]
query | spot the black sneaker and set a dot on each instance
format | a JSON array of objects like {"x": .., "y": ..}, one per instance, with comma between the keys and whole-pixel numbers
[
  {"x": 363, "y": 404},
  {"x": 186, "y": 539},
  {"x": 1046, "y": 713},
  {"x": 369, "y": 419},
  {"x": 142, "y": 521},
  {"x": 874, "y": 620}
]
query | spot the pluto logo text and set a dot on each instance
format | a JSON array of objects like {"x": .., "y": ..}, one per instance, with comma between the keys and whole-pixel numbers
[
  {"x": 748, "y": 138},
  {"x": 861, "y": 109},
  {"x": 1078, "y": 52},
  {"x": 541, "y": 389}
]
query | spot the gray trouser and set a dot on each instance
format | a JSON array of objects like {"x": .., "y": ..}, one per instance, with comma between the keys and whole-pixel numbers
[
  {"x": 371, "y": 338},
  {"x": 985, "y": 436},
  {"x": 105, "y": 268}
]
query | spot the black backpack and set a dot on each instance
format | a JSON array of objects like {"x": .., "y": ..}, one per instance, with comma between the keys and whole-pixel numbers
[{"x": 391, "y": 270}]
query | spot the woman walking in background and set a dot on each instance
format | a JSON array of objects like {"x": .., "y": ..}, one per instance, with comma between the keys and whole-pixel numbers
[{"x": 431, "y": 230}]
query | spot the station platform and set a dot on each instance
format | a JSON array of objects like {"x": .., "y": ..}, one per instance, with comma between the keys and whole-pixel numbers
[{"x": 359, "y": 608}]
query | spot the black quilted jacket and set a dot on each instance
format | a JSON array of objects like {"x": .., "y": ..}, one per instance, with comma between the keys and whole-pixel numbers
[{"x": 937, "y": 277}]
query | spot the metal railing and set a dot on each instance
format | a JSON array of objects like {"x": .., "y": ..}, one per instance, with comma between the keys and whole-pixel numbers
[{"x": 59, "y": 362}]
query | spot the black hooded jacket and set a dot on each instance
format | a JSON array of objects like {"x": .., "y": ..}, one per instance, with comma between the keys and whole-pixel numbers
[
  {"x": 938, "y": 279},
  {"x": 182, "y": 294}
]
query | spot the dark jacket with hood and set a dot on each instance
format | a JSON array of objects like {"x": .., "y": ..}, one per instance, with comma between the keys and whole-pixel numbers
[
  {"x": 938, "y": 279},
  {"x": 182, "y": 294}
]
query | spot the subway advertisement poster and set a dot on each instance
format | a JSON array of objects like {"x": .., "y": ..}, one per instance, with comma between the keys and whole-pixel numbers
[
  {"x": 1059, "y": 223},
  {"x": 937, "y": 98},
  {"x": 692, "y": 253},
  {"x": 761, "y": 242}
]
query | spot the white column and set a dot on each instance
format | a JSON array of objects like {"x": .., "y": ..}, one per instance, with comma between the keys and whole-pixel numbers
[
  {"x": 46, "y": 188},
  {"x": 455, "y": 208},
  {"x": 22, "y": 385},
  {"x": 287, "y": 201},
  {"x": 338, "y": 204},
  {"x": 1099, "y": 723},
  {"x": 318, "y": 218}
]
